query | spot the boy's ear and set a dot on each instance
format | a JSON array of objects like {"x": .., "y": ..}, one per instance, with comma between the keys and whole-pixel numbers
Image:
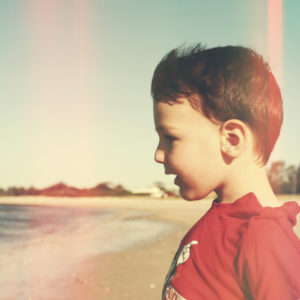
[{"x": 233, "y": 137}]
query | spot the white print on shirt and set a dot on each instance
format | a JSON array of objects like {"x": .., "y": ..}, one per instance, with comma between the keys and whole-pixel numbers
[
  {"x": 179, "y": 258},
  {"x": 172, "y": 294},
  {"x": 185, "y": 252}
]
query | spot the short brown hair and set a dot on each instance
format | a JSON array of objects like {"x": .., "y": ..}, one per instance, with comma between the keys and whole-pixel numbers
[{"x": 229, "y": 82}]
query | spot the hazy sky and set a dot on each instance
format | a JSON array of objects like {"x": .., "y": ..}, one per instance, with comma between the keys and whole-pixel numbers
[{"x": 75, "y": 81}]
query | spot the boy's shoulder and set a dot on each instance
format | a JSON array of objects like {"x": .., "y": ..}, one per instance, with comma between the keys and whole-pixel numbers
[
  {"x": 265, "y": 234},
  {"x": 268, "y": 253},
  {"x": 246, "y": 223},
  {"x": 268, "y": 240},
  {"x": 273, "y": 223}
]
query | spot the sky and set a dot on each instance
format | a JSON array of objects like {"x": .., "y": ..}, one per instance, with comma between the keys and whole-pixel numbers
[{"x": 75, "y": 81}]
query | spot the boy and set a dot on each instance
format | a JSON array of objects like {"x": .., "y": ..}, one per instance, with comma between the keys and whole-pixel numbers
[{"x": 218, "y": 113}]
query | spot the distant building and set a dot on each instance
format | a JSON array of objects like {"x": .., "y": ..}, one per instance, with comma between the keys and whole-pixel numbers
[{"x": 151, "y": 191}]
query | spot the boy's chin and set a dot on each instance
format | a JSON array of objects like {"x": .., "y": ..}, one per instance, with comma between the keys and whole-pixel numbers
[{"x": 190, "y": 195}]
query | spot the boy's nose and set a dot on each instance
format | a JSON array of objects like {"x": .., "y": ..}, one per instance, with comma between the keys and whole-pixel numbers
[{"x": 159, "y": 155}]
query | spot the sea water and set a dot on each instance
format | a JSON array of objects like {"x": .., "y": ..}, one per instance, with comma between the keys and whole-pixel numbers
[{"x": 40, "y": 244}]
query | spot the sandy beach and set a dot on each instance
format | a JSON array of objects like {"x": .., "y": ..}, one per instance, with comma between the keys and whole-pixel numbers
[{"x": 137, "y": 271}]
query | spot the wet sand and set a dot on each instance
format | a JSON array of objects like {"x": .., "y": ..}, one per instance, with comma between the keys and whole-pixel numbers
[{"x": 137, "y": 272}]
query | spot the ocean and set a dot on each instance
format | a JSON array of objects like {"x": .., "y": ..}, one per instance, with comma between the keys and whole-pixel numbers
[{"x": 41, "y": 244}]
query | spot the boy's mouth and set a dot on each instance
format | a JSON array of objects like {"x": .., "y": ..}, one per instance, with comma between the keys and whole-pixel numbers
[{"x": 176, "y": 180}]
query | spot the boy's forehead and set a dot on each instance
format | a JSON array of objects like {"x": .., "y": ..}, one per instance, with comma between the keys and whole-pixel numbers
[
  {"x": 164, "y": 115},
  {"x": 168, "y": 115}
]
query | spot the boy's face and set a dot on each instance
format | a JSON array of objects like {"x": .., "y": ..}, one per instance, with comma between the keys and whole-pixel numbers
[{"x": 189, "y": 147}]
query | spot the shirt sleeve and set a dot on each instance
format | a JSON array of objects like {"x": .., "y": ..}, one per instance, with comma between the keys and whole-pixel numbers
[{"x": 268, "y": 262}]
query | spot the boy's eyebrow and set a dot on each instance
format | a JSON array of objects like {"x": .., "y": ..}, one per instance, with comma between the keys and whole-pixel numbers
[{"x": 162, "y": 128}]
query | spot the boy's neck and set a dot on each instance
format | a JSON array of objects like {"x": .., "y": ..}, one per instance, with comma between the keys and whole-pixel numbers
[{"x": 252, "y": 179}]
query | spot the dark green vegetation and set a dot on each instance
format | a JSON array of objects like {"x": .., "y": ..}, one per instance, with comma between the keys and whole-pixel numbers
[{"x": 284, "y": 179}]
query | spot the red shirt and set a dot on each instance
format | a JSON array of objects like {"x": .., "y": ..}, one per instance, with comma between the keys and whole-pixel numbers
[{"x": 238, "y": 250}]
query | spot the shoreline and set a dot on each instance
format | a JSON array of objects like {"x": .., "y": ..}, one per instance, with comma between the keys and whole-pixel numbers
[
  {"x": 139, "y": 271},
  {"x": 132, "y": 273},
  {"x": 114, "y": 200},
  {"x": 135, "y": 273}
]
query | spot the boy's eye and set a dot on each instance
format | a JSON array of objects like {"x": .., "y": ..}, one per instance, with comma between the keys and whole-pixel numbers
[{"x": 170, "y": 138}]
